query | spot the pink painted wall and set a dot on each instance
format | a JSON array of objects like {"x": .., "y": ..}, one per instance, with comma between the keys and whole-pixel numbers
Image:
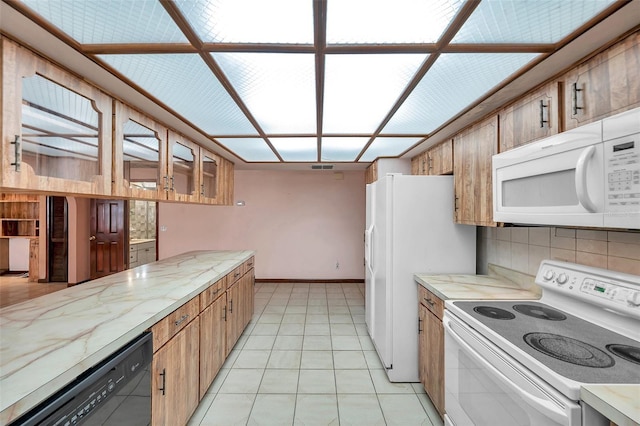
[{"x": 300, "y": 223}]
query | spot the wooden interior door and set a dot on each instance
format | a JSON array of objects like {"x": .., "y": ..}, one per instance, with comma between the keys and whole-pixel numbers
[
  {"x": 57, "y": 240},
  {"x": 108, "y": 224}
]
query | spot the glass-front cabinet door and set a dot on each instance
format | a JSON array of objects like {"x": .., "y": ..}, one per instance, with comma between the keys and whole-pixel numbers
[
  {"x": 56, "y": 128},
  {"x": 140, "y": 156},
  {"x": 183, "y": 169},
  {"x": 209, "y": 172}
]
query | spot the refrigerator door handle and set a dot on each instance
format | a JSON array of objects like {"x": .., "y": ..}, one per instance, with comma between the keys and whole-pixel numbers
[{"x": 369, "y": 247}]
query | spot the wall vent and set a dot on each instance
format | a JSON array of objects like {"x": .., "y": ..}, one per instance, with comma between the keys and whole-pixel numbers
[{"x": 322, "y": 166}]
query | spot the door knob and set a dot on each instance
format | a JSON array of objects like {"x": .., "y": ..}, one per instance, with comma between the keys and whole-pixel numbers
[{"x": 91, "y": 238}]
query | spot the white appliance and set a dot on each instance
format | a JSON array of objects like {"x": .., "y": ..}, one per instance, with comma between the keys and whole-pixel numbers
[
  {"x": 409, "y": 230},
  {"x": 588, "y": 176},
  {"x": 523, "y": 362}
]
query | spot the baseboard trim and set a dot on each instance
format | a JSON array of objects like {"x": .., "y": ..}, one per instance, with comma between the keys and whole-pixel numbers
[{"x": 314, "y": 281}]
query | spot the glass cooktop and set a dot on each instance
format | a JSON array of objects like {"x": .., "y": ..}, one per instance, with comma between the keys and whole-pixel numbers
[{"x": 568, "y": 345}]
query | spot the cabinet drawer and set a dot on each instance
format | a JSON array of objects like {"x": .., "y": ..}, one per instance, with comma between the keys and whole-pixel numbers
[
  {"x": 248, "y": 265},
  {"x": 430, "y": 301},
  {"x": 167, "y": 327},
  {"x": 133, "y": 256},
  {"x": 234, "y": 275},
  {"x": 212, "y": 293}
]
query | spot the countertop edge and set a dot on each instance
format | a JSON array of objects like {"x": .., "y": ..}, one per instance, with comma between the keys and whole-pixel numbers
[
  {"x": 13, "y": 408},
  {"x": 589, "y": 394}
]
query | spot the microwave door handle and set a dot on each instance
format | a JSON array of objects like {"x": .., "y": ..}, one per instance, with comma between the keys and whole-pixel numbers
[{"x": 581, "y": 179}]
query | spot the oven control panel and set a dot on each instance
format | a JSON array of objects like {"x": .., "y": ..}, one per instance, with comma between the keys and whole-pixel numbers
[{"x": 610, "y": 289}]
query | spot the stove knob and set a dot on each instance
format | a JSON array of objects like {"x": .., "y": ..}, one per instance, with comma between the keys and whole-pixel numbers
[
  {"x": 562, "y": 278},
  {"x": 633, "y": 299},
  {"x": 548, "y": 275}
]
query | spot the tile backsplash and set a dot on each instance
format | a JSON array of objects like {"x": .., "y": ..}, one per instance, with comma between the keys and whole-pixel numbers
[
  {"x": 142, "y": 219},
  {"x": 522, "y": 248}
]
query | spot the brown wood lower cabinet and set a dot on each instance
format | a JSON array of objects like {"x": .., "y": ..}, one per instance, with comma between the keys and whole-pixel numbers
[
  {"x": 212, "y": 341},
  {"x": 191, "y": 344},
  {"x": 175, "y": 373},
  {"x": 431, "y": 347}
]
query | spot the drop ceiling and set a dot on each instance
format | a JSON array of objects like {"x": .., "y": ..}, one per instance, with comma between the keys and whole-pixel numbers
[{"x": 317, "y": 81}]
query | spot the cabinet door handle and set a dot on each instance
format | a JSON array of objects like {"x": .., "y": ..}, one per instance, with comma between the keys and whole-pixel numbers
[
  {"x": 166, "y": 182},
  {"x": 224, "y": 313},
  {"x": 429, "y": 302},
  {"x": 16, "y": 150},
  {"x": 173, "y": 188},
  {"x": 231, "y": 306},
  {"x": 236, "y": 274},
  {"x": 542, "y": 107},
  {"x": 575, "y": 91},
  {"x": 163, "y": 388},
  {"x": 202, "y": 189},
  {"x": 420, "y": 325},
  {"x": 181, "y": 320}
]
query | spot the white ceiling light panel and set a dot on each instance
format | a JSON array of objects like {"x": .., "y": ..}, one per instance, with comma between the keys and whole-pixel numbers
[
  {"x": 250, "y": 21},
  {"x": 361, "y": 89},
  {"x": 278, "y": 88},
  {"x": 383, "y": 21},
  {"x": 342, "y": 148},
  {"x": 540, "y": 21},
  {"x": 249, "y": 149},
  {"x": 113, "y": 21},
  {"x": 387, "y": 147},
  {"x": 455, "y": 81},
  {"x": 296, "y": 149},
  {"x": 185, "y": 84}
]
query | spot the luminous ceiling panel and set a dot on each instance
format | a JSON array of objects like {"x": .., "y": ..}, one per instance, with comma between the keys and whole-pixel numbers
[
  {"x": 250, "y": 21},
  {"x": 388, "y": 147},
  {"x": 540, "y": 21},
  {"x": 185, "y": 84},
  {"x": 296, "y": 149},
  {"x": 361, "y": 89},
  {"x": 113, "y": 21},
  {"x": 384, "y": 21},
  {"x": 342, "y": 149},
  {"x": 278, "y": 88},
  {"x": 249, "y": 149},
  {"x": 453, "y": 83}
]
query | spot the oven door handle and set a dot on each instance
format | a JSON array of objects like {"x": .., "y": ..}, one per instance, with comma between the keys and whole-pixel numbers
[{"x": 547, "y": 407}]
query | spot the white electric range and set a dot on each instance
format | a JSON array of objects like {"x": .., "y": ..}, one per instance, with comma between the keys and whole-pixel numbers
[{"x": 523, "y": 362}]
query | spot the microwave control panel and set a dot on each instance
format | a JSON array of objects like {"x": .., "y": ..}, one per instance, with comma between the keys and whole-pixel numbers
[{"x": 622, "y": 169}]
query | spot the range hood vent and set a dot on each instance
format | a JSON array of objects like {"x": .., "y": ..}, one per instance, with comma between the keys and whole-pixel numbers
[{"x": 322, "y": 166}]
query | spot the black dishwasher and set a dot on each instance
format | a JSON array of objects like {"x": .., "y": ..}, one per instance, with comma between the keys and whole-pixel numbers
[{"x": 115, "y": 392}]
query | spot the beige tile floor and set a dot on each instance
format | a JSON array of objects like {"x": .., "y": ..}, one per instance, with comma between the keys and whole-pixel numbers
[{"x": 306, "y": 359}]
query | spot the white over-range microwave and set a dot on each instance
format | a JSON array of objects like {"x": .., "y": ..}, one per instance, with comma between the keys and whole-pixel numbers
[{"x": 588, "y": 176}]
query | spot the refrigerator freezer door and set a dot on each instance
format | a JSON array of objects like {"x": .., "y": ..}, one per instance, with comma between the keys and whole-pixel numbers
[{"x": 369, "y": 273}]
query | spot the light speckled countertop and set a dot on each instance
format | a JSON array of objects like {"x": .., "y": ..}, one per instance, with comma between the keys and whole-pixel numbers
[
  {"x": 618, "y": 403},
  {"x": 46, "y": 342},
  {"x": 501, "y": 283}
]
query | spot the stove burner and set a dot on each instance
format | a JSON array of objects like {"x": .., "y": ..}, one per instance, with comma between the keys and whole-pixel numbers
[
  {"x": 540, "y": 312},
  {"x": 494, "y": 313},
  {"x": 630, "y": 353},
  {"x": 569, "y": 350}
]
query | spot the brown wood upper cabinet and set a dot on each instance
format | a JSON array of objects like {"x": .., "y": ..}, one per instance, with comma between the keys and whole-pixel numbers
[
  {"x": 437, "y": 160},
  {"x": 473, "y": 149},
  {"x": 55, "y": 143},
  {"x": 532, "y": 117},
  {"x": 607, "y": 84},
  {"x": 154, "y": 162},
  {"x": 140, "y": 155}
]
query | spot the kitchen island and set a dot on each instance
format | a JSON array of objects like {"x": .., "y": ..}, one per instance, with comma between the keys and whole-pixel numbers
[{"x": 45, "y": 343}]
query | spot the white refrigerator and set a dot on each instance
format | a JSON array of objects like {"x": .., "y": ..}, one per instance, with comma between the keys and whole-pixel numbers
[{"x": 409, "y": 229}]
